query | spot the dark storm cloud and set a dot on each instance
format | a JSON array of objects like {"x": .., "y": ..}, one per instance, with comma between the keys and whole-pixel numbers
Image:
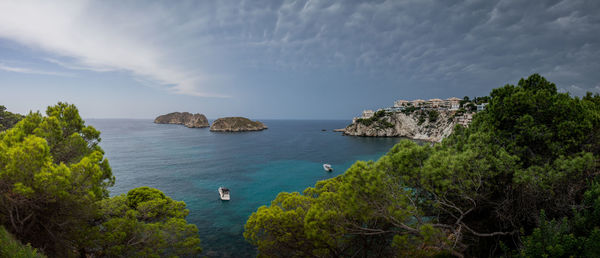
[
  {"x": 460, "y": 43},
  {"x": 443, "y": 47}
]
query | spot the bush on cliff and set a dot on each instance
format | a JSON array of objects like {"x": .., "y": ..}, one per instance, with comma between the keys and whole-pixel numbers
[
  {"x": 433, "y": 115},
  {"x": 10, "y": 247},
  {"x": 484, "y": 187},
  {"x": 377, "y": 120}
]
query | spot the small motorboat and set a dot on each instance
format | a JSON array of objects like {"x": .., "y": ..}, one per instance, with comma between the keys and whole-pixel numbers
[
  {"x": 224, "y": 193},
  {"x": 327, "y": 167}
]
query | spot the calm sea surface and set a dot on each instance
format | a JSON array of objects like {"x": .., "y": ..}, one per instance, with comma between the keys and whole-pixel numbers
[{"x": 190, "y": 164}]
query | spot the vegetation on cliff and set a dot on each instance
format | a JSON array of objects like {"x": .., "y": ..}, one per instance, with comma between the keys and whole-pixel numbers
[
  {"x": 377, "y": 120},
  {"x": 520, "y": 180},
  {"x": 10, "y": 247},
  {"x": 53, "y": 194}
]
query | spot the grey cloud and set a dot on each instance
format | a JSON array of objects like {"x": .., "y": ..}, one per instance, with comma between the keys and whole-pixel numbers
[
  {"x": 452, "y": 43},
  {"x": 456, "y": 41}
]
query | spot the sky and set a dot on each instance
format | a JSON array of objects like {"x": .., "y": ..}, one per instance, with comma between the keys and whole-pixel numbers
[{"x": 285, "y": 59}]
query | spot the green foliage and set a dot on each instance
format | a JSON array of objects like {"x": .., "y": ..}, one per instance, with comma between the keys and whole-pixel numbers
[
  {"x": 8, "y": 119},
  {"x": 51, "y": 173},
  {"x": 279, "y": 231},
  {"x": 364, "y": 212},
  {"x": 54, "y": 183},
  {"x": 536, "y": 122},
  {"x": 10, "y": 247},
  {"x": 433, "y": 115},
  {"x": 577, "y": 236},
  {"x": 144, "y": 222},
  {"x": 470, "y": 107},
  {"x": 385, "y": 124},
  {"x": 378, "y": 120},
  {"x": 464, "y": 101},
  {"x": 410, "y": 110},
  {"x": 533, "y": 149},
  {"x": 379, "y": 114},
  {"x": 365, "y": 121},
  {"x": 480, "y": 100},
  {"x": 550, "y": 239},
  {"x": 422, "y": 118}
]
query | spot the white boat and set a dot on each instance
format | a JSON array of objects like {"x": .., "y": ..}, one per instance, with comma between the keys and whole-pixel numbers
[
  {"x": 327, "y": 167},
  {"x": 224, "y": 193}
]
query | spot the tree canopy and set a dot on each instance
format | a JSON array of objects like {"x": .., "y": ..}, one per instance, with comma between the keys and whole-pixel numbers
[
  {"x": 54, "y": 194},
  {"x": 496, "y": 187},
  {"x": 8, "y": 119}
]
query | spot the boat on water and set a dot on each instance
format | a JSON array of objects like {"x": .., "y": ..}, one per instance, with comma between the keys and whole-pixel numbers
[
  {"x": 224, "y": 193},
  {"x": 327, "y": 167}
]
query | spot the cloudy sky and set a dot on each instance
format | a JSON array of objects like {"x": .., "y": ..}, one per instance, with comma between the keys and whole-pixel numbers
[{"x": 285, "y": 59}]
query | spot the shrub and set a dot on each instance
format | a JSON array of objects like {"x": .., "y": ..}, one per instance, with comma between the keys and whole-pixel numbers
[
  {"x": 10, "y": 247},
  {"x": 433, "y": 115}
]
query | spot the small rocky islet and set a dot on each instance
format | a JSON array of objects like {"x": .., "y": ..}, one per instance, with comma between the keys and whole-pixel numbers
[
  {"x": 236, "y": 124},
  {"x": 225, "y": 124},
  {"x": 183, "y": 118}
]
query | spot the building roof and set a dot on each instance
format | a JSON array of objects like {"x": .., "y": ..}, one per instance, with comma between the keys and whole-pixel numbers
[
  {"x": 435, "y": 100},
  {"x": 453, "y": 99}
]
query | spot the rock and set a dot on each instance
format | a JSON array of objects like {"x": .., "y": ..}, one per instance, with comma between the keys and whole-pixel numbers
[
  {"x": 236, "y": 124},
  {"x": 398, "y": 124},
  {"x": 340, "y": 130},
  {"x": 185, "y": 118}
]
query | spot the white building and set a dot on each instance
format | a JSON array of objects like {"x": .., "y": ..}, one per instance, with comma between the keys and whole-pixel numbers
[
  {"x": 435, "y": 103},
  {"x": 367, "y": 113},
  {"x": 401, "y": 103},
  {"x": 453, "y": 103},
  {"x": 418, "y": 102},
  {"x": 481, "y": 106}
]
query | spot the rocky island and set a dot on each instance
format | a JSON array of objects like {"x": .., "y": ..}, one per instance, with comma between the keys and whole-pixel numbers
[
  {"x": 236, "y": 124},
  {"x": 185, "y": 118}
]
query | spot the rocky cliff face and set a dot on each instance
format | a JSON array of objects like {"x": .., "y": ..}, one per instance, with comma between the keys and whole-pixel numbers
[
  {"x": 185, "y": 118},
  {"x": 418, "y": 125},
  {"x": 236, "y": 124}
]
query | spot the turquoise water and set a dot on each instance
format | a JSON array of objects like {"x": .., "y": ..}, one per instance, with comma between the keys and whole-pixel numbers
[{"x": 190, "y": 164}]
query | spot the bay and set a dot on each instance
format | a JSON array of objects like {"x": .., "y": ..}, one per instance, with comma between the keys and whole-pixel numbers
[{"x": 190, "y": 164}]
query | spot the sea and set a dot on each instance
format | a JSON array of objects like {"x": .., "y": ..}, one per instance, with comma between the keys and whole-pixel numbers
[{"x": 190, "y": 164}]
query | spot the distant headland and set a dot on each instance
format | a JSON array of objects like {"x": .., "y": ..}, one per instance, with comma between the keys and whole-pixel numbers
[
  {"x": 419, "y": 119},
  {"x": 185, "y": 118}
]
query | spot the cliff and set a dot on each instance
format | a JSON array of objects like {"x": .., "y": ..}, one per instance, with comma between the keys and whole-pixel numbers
[
  {"x": 428, "y": 125},
  {"x": 185, "y": 118},
  {"x": 236, "y": 124}
]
